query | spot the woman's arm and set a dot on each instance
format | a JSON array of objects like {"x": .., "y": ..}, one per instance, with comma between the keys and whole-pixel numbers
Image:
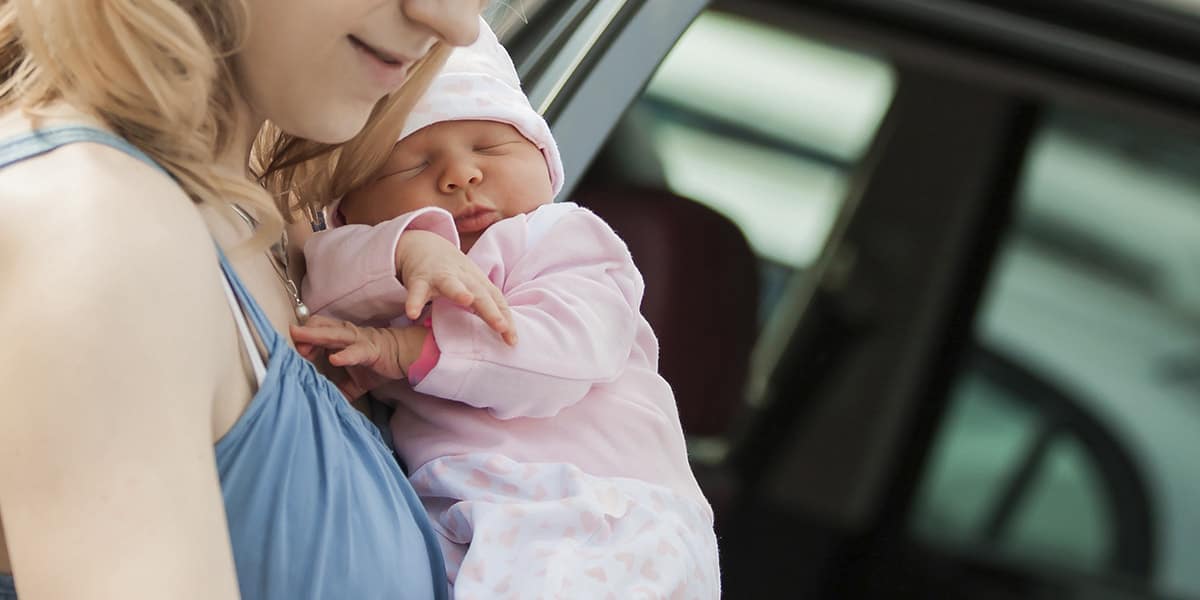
[{"x": 118, "y": 342}]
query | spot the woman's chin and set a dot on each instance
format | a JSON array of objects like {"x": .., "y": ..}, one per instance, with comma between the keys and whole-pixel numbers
[
  {"x": 334, "y": 127},
  {"x": 337, "y": 133}
]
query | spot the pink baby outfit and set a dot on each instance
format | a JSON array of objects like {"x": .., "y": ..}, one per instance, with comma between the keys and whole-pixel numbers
[{"x": 556, "y": 468}]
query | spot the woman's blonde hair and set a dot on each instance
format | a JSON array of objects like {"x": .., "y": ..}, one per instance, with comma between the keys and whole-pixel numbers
[
  {"x": 160, "y": 75},
  {"x": 308, "y": 176},
  {"x": 157, "y": 73}
]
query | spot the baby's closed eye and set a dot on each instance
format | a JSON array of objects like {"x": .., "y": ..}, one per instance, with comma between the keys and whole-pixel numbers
[
  {"x": 404, "y": 171},
  {"x": 496, "y": 146}
]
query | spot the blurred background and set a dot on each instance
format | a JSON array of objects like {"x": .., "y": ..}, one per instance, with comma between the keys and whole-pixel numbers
[{"x": 926, "y": 276}]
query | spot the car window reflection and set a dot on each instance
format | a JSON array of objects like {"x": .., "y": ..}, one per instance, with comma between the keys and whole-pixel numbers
[{"x": 1096, "y": 293}]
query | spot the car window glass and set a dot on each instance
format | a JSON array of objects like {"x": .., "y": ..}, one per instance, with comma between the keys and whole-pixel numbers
[
  {"x": 1064, "y": 516},
  {"x": 770, "y": 142},
  {"x": 1096, "y": 293},
  {"x": 985, "y": 435},
  {"x": 992, "y": 432}
]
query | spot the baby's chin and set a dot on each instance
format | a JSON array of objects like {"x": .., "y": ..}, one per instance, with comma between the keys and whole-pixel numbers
[{"x": 467, "y": 240}]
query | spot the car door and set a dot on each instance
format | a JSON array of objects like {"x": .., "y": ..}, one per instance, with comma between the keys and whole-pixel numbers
[
  {"x": 988, "y": 394},
  {"x": 913, "y": 425}
]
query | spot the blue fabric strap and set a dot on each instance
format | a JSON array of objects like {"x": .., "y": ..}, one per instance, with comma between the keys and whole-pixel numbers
[
  {"x": 42, "y": 141},
  {"x": 258, "y": 319}
]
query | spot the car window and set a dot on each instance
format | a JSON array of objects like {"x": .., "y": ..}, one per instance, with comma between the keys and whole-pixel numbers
[
  {"x": 1003, "y": 477},
  {"x": 986, "y": 433},
  {"x": 1095, "y": 292},
  {"x": 772, "y": 144}
]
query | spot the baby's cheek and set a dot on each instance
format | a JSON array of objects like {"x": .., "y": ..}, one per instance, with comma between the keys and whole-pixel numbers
[
  {"x": 535, "y": 192},
  {"x": 382, "y": 201}
]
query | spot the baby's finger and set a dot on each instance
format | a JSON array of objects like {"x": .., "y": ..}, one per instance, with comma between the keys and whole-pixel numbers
[
  {"x": 510, "y": 332},
  {"x": 350, "y": 389},
  {"x": 326, "y": 337},
  {"x": 418, "y": 296},
  {"x": 322, "y": 321},
  {"x": 353, "y": 355},
  {"x": 485, "y": 307},
  {"x": 453, "y": 289}
]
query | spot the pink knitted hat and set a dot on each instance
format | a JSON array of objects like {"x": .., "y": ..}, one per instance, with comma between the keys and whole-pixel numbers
[{"x": 479, "y": 82}]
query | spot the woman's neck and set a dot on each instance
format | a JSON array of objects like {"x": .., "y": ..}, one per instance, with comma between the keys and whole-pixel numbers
[{"x": 246, "y": 124}]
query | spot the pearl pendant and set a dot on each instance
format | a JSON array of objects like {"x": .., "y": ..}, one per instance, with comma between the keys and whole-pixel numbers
[{"x": 301, "y": 311}]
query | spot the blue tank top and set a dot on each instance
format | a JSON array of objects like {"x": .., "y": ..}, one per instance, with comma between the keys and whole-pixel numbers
[{"x": 316, "y": 504}]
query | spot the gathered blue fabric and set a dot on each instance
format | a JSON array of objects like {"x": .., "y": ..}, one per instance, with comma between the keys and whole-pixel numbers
[{"x": 317, "y": 505}]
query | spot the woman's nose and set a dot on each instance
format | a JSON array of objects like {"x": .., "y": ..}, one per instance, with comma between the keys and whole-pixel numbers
[
  {"x": 459, "y": 174},
  {"x": 455, "y": 21}
]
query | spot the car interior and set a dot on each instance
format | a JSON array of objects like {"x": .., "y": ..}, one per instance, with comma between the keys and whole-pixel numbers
[{"x": 923, "y": 275}]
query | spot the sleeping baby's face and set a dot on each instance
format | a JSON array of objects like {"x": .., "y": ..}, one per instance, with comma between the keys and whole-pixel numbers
[{"x": 479, "y": 171}]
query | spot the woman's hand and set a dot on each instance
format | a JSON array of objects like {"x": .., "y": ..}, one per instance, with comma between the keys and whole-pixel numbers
[
  {"x": 370, "y": 356},
  {"x": 430, "y": 266}
]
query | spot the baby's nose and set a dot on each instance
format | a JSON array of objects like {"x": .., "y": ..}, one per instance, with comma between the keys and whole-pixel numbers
[{"x": 460, "y": 175}]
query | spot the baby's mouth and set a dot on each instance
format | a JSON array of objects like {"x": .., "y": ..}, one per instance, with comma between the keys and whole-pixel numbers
[{"x": 476, "y": 219}]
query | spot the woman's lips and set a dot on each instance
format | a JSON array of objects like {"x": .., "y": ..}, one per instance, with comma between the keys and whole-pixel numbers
[
  {"x": 386, "y": 70},
  {"x": 476, "y": 221}
]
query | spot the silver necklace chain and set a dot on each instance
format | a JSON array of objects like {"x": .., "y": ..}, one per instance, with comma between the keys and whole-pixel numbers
[{"x": 277, "y": 255}]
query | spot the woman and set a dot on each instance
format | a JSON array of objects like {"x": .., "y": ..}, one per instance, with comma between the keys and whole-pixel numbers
[{"x": 158, "y": 437}]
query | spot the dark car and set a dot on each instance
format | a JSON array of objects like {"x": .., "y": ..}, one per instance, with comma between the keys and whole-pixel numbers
[{"x": 926, "y": 276}]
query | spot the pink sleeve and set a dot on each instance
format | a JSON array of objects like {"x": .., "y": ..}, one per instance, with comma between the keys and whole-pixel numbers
[
  {"x": 574, "y": 298},
  {"x": 430, "y": 353},
  {"x": 352, "y": 269}
]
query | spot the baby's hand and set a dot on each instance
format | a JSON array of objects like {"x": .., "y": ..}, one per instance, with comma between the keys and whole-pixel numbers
[
  {"x": 371, "y": 356},
  {"x": 429, "y": 266}
]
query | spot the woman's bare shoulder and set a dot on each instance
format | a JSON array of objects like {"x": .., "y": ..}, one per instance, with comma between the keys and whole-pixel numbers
[
  {"x": 119, "y": 339},
  {"x": 103, "y": 250},
  {"x": 86, "y": 201}
]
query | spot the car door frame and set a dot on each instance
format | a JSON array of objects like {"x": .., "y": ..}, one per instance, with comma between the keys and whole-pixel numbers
[{"x": 584, "y": 62}]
